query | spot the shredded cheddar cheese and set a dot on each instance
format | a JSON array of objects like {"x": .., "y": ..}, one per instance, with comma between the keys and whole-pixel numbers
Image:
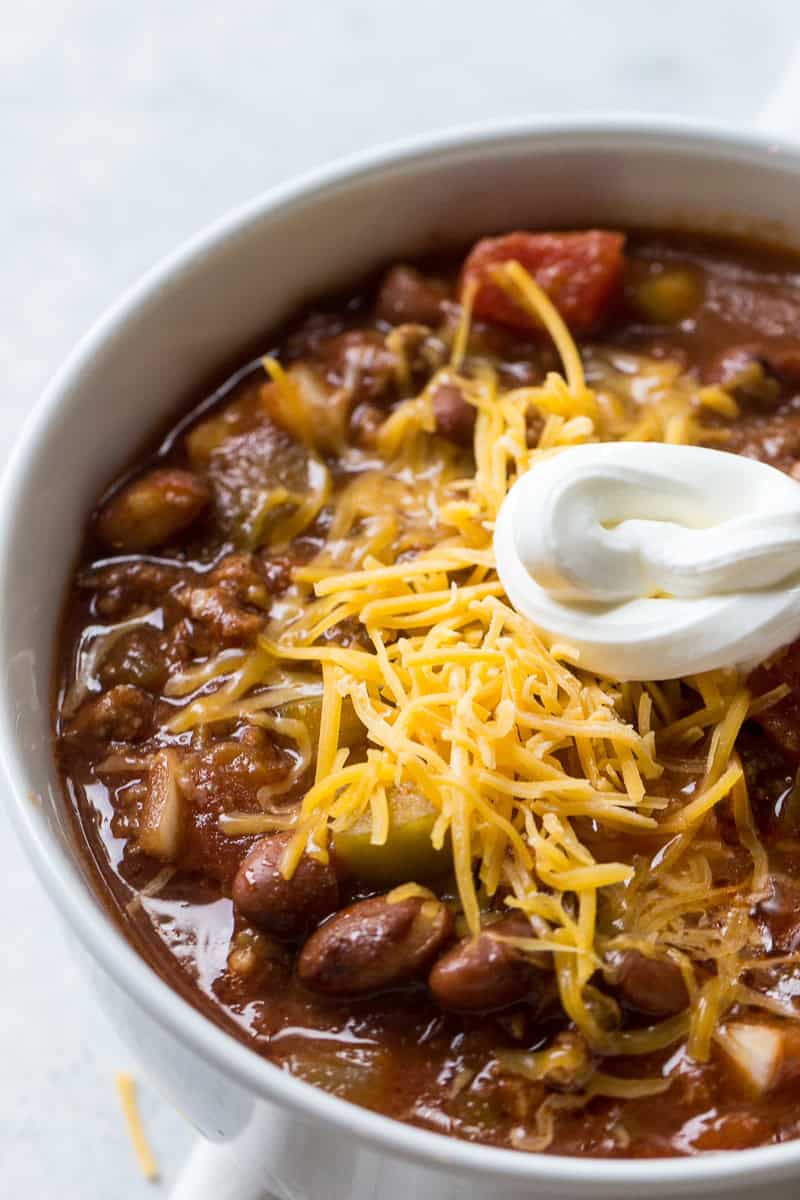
[{"x": 549, "y": 785}]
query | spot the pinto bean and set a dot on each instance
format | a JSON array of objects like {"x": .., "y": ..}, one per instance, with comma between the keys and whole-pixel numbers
[
  {"x": 286, "y": 908},
  {"x": 484, "y": 972},
  {"x": 152, "y": 509},
  {"x": 454, "y": 416},
  {"x": 374, "y": 944},
  {"x": 405, "y": 295},
  {"x": 651, "y": 985}
]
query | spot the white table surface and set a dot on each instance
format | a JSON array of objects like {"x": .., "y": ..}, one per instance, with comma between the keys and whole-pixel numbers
[{"x": 124, "y": 128}]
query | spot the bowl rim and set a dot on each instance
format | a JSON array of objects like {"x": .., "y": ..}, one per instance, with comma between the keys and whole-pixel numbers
[{"x": 96, "y": 929}]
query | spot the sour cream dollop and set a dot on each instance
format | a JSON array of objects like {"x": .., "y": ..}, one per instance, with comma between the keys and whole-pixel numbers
[{"x": 651, "y": 561}]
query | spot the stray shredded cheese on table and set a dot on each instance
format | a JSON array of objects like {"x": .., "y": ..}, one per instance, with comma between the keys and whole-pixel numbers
[{"x": 126, "y": 1089}]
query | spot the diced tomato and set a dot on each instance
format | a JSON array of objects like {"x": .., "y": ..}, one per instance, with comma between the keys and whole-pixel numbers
[{"x": 580, "y": 272}]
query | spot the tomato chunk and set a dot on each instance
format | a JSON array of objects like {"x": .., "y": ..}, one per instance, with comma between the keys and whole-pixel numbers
[{"x": 580, "y": 272}]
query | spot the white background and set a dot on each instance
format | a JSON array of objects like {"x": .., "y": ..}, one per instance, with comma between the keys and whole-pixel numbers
[{"x": 126, "y": 126}]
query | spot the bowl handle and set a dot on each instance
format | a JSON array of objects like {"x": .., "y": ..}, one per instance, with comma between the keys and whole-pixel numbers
[{"x": 215, "y": 1172}]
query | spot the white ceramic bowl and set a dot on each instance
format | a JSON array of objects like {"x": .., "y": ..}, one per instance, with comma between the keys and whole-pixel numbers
[{"x": 188, "y": 317}]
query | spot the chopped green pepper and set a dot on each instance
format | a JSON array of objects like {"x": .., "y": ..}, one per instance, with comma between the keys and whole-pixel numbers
[{"x": 407, "y": 854}]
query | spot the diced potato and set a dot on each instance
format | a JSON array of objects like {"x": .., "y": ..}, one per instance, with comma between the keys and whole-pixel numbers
[
  {"x": 163, "y": 814},
  {"x": 760, "y": 1055},
  {"x": 407, "y": 853},
  {"x": 668, "y": 297}
]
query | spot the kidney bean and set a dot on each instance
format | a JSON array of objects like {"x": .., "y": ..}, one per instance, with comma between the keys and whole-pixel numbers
[
  {"x": 454, "y": 416},
  {"x": 152, "y": 509},
  {"x": 484, "y": 972},
  {"x": 405, "y": 295},
  {"x": 374, "y": 944},
  {"x": 286, "y": 908},
  {"x": 651, "y": 985}
]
